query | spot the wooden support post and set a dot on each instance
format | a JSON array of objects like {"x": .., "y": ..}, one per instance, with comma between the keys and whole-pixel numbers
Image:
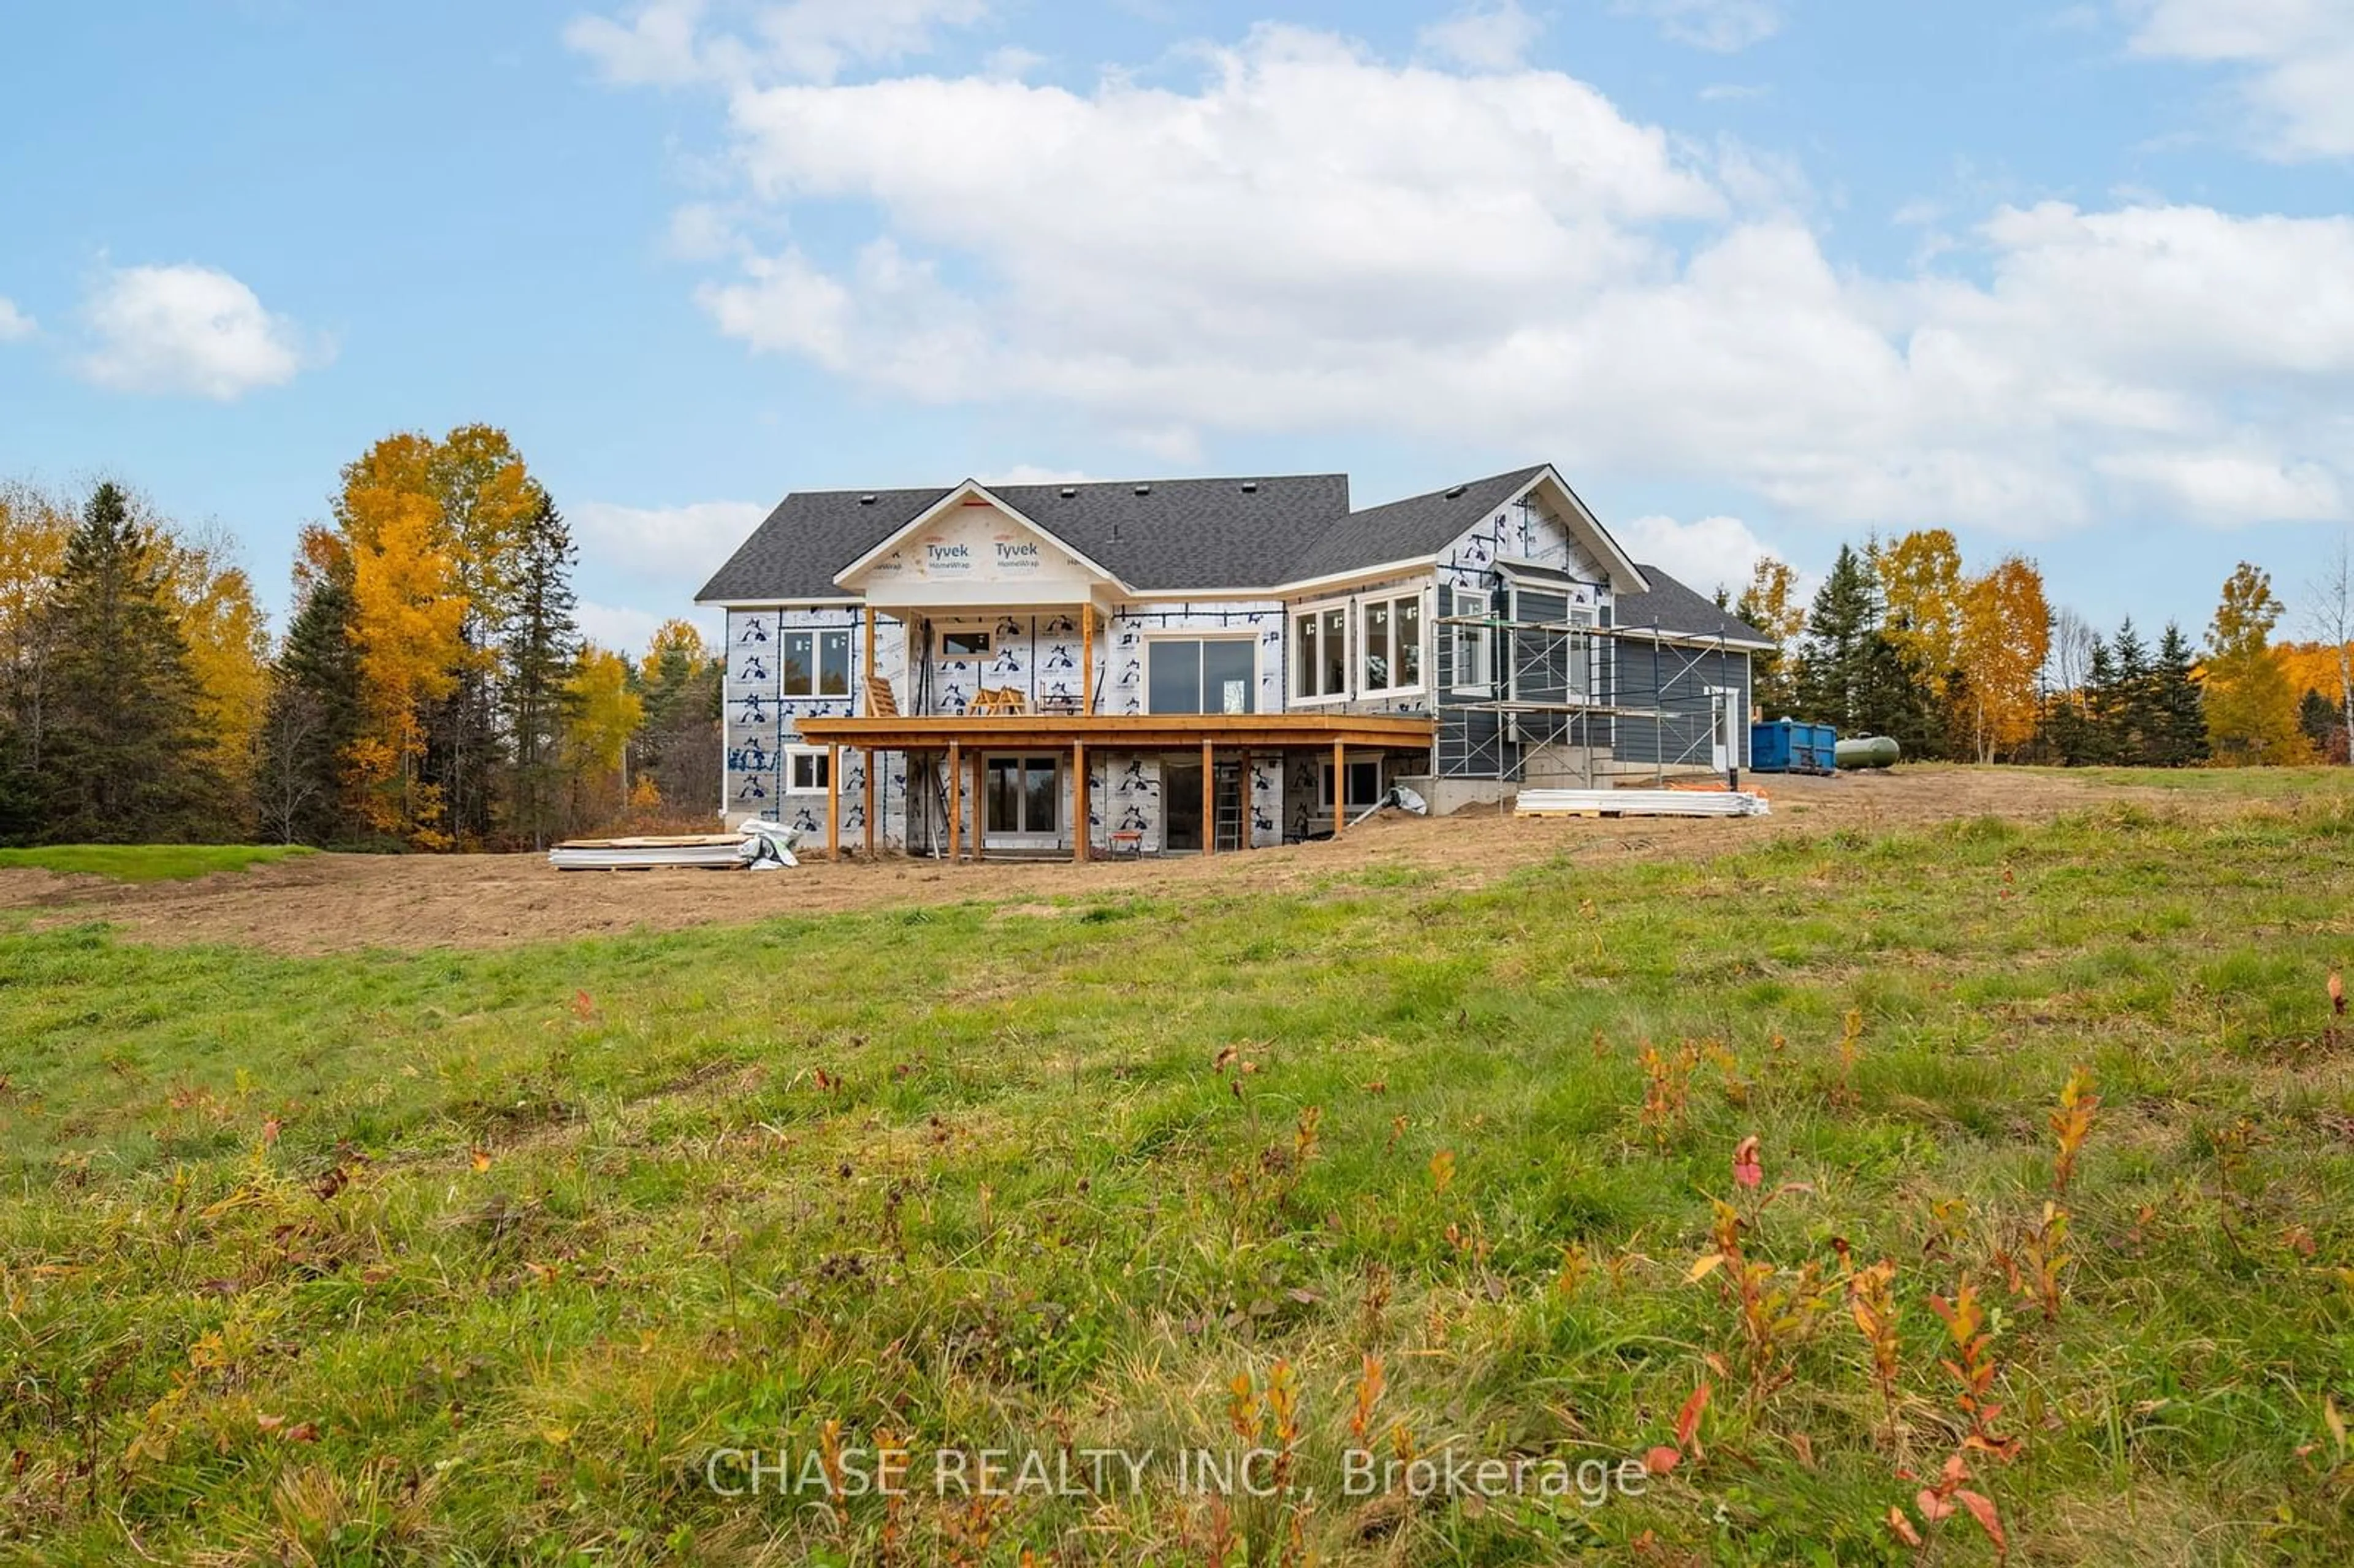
[
  {"x": 873, "y": 757},
  {"x": 980, "y": 804},
  {"x": 1082, "y": 830},
  {"x": 870, "y": 646},
  {"x": 1209, "y": 799},
  {"x": 833, "y": 801},
  {"x": 956, "y": 795},
  {"x": 1088, "y": 658},
  {"x": 1340, "y": 787}
]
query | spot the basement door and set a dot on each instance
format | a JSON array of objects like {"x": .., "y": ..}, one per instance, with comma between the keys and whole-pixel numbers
[{"x": 1022, "y": 799}]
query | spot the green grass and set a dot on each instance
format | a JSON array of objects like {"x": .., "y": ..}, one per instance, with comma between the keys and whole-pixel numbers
[
  {"x": 539, "y": 1230},
  {"x": 147, "y": 863}
]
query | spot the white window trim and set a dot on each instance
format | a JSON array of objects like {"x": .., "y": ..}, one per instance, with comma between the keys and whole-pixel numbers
[
  {"x": 1486, "y": 637},
  {"x": 817, "y": 636},
  {"x": 1584, "y": 666},
  {"x": 1215, "y": 634},
  {"x": 1324, "y": 783},
  {"x": 1349, "y": 634},
  {"x": 1423, "y": 600},
  {"x": 944, "y": 629},
  {"x": 788, "y": 754}
]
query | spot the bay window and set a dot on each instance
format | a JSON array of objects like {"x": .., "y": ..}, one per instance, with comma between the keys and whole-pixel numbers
[
  {"x": 1392, "y": 644},
  {"x": 1320, "y": 645}
]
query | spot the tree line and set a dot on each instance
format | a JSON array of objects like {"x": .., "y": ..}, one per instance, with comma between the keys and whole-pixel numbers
[
  {"x": 1901, "y": 640},
  {"x": 431, "y": 689}
]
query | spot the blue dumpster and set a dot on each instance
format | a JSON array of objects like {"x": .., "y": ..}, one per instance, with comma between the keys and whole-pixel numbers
[{"x": 1786, "y": 746}]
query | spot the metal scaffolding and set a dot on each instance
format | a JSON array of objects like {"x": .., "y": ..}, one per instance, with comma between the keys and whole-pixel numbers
[{"x": 1543, "y": 655}]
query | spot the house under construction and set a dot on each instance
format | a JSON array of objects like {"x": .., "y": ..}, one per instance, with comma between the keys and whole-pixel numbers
[{"x": 1200, "y": 665}]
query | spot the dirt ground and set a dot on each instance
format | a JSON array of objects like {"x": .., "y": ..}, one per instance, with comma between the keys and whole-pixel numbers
[{"x": 339, "y": 903}]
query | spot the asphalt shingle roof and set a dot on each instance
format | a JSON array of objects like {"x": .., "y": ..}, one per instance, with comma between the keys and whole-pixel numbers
[
  {"x": 1672, "y": 607},
  {"x": 1207, "y": 533},
  {"x": 1407, "y": 530},
  {"x": 1210, "y": 534}
]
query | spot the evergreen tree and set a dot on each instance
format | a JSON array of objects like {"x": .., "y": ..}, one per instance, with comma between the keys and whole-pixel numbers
[
  {"x": 1842, "y": 628},
  {"x": 18, "y": 805},
  {"x": 2319, "y": 717},
  {"x": 2179, "y": 711},
  {"x": 2103, "y": 704},
  {"x": 121, "y": 758},
  {"x": 312, "y": 717},
  {"x": 2131, "y": 708},
  {"x": 1854, "y": 676},
  {"x": 678, "y": 747},
  {"x": 542, "y": 644},
  {"x": 1894, "y": 697}
]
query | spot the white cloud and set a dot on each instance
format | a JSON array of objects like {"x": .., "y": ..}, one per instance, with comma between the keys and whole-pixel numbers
[
  {"x": 667, "y": 43},
  {"x": 1309, "y": 239},
  {"x": 1033, "y": 473},
  {"x": 667, "y": 546},
  {"x": 627, "y": 631},
  {"x": 2295, "y": 58},
  {"x": 13, "y": 323},
  {"x": 1491, "y": 37},
  {"x": 1723, "y": 26},
  {"x": 190, "y": 330},
  {"x": 1704, "y": 554}
]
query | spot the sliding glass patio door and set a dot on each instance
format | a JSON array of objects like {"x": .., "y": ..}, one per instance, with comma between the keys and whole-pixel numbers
[{"x": 1022, "y": 801}]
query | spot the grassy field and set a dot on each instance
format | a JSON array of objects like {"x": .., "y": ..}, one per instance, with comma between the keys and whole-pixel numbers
[
  {"x": 491, "y": 1257},
  {"x": 147, "y": 863}
]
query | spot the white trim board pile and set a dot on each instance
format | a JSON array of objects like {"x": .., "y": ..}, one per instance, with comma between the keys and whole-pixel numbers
[
  {"x": 760, "y": 844},
  {"x": 1639, "y": 803}
]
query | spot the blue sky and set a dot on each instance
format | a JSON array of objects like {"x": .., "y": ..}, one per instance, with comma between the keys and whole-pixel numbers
[{"x": 2077, "y": 281}]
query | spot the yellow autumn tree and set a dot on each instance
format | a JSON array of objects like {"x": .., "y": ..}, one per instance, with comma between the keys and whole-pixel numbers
[
  {"x": 2251, "y": 704},
  {"x": 1771, "y": 604},
  {"x": 2310, "y": 667},
  {"x": 229, "y": 651},
  {"x": 33, "y": 531},
  {"x": 405, "y": 616},
  {"x": 606, "y": 712},
  {"x": 2002, "y": 637},
  {"x": 488, "y": 500},
  {"x": 1922, "y": 589},
  {"x": 672, "y": 642}
]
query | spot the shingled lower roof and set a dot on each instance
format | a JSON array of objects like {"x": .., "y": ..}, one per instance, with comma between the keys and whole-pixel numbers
[
  {"x": 1409, "y": 530},
  {"x": 1672, "y": 608}
]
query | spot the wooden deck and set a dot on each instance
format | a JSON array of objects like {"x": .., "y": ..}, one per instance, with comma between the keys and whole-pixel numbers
[
  {"x": 965, "y": 739},
  {"x": 1052, "y": 731}
]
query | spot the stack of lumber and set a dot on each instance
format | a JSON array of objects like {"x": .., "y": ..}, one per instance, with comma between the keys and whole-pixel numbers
[
  {"x": 1639, "y": 803},
  {"x": 710, "y": 852}
]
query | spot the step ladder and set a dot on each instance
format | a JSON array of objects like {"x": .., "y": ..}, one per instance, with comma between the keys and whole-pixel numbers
[{"x": 1227, "y": 808}]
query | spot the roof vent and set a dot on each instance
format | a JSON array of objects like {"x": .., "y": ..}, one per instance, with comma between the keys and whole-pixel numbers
[
  {"x": 1069, "y": 491},
  {"x": 1457, "y": 490},
  {"x": 866, "y": 500},
  {"x": 1250, "y": 487},
  {"x": 1144, "y": 490}
]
